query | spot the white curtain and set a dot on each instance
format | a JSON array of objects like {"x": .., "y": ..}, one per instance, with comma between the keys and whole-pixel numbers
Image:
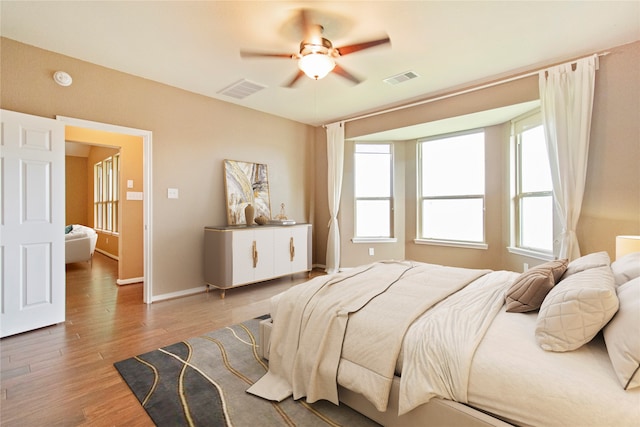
[
  {"x": 335, "y": 161},
  {"x": 566, "y": 96}
]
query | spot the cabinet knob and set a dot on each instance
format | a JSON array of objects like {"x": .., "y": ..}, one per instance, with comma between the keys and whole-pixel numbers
[
  {"x": 292, "y": 249},
  {"x": 255, "y": 254}
]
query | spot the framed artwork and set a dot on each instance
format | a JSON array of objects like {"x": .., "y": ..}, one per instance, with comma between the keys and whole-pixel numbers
[{"x": 246, "y": 183}]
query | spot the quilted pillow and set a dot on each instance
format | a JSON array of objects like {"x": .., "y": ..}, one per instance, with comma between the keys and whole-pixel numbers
[
  {"x": 527, "y": 292},
  {"x": 622, "y": 335},
  {"x": 626, "y": 268},
  {"x": 594, "y": 260},
  {"x": 576, "y": 309}
]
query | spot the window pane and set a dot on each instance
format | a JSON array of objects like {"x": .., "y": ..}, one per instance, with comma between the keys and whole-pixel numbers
[
  {"x": 537, "y": 223},
  {"x": 453, "y": 166},
  {"x": 536, "y": 175},
  {"x": 453, "y": 219},
  {"x": 373, "y": 175},
  {"x": 373, "y": 218}
]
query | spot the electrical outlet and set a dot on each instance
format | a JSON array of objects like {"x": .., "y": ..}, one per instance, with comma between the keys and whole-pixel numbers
[
  {"x": 525, "y": 267},
  {"x": 371, "y": 252},
  {"x": 172, "y": 193}
]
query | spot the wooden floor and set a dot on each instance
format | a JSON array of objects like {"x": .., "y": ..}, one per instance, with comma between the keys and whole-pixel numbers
[{"x": 63, "y": 375}]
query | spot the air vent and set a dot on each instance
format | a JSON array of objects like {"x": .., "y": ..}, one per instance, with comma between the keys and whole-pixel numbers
[
  {"x": 241, "y": 89},
  {"x": 394, "y": 80}
]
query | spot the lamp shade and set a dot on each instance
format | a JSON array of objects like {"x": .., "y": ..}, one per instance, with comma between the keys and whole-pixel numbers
[
  {"x": 316, "y": 65},
  {"x": 626, "y": 245}
]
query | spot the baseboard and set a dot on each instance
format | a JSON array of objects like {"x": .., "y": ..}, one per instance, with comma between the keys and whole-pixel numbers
[
  {"x": 130, "y": 281},
  {"x": 319, "y": 266},
  {"x": 105, "y": 253},
  {"x": 178, "y": 294}
]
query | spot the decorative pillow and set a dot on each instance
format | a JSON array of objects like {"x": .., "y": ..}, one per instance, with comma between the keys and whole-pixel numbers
[
  {"x": 594, "y": 260},
  {"x": 626, "y": 268},
  {"x": 576, "y": 309},
  {"x": 528, "y": 291},
  {"x": 622, "y": 335},
  {"x": 68, "y": 229}
]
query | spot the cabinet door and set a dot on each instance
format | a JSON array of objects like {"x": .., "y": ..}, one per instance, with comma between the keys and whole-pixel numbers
[
  {"x": 300, "y": 249},
  {"x": 242, "y": 257},
  {"x": 291, "y": 250},
  {"x": 264, "y": 254}
]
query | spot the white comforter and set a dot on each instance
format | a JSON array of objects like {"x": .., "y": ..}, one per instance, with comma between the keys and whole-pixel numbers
[
  {"x": 350, "y": 326},
  {"x": 439, "y": 347}
]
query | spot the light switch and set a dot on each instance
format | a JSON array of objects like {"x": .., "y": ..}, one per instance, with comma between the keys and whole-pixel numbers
[
  {"x": 129, "y": 183},
  {"x": 172, "y": 193}
]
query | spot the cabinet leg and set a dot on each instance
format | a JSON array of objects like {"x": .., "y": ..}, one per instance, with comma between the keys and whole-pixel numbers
[{"x": 222, "y": 293}]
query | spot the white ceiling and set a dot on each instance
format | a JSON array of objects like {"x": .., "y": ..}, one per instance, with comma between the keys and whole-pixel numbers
[{"x": 195, "y": 45}]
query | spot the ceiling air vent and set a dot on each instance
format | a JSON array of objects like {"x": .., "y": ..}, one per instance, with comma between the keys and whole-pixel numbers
[
  {"x": 241, "y": 89},
  {"x": 399, "y": 78}
]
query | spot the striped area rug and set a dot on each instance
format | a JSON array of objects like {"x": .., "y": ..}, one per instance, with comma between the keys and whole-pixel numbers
[{"x": 202, "y": 382}]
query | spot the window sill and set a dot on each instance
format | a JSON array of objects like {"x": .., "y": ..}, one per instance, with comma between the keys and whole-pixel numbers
[
  {"x": 544, "y": 256},
  {"x": 467, "y": 245},
  {"x": 374, "y": 240}
]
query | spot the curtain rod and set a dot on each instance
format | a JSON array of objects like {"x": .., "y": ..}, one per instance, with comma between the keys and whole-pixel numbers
[{"x": 463, "y": 91}]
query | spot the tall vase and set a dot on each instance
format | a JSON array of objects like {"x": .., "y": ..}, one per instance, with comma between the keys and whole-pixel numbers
[{"x": 249, "y": 214}]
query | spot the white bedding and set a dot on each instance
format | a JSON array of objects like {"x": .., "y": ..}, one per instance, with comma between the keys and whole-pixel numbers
[
  {"x": 312, "y": 345},
  {"x": 510, "y": 375},
  {"x": 528, "y": 386},
  {"x": 439, "y": 346}
]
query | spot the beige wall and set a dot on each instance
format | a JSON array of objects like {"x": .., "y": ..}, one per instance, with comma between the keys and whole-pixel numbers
[
  {"x": 192, "y": 135},
  {"x": 611, "y": 204},
  {"x": 76, "y": 197}
]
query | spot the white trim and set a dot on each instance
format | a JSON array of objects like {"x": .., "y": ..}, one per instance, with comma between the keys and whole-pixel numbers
[
  {"x": 130, "y": 281},
  {"x": 374, "y": 240},
  {"x": 468, "y": 245},
  {"x": 179, "y": 294},
  {"x": 107, "y": 254},
  {"x": 531, "y": 253},
  {"x": 146, "y": 136},
  {"x": 319, "y": 266}
]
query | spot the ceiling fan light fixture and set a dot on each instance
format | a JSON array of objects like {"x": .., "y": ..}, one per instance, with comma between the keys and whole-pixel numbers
[{"x": 316, "y": 65}]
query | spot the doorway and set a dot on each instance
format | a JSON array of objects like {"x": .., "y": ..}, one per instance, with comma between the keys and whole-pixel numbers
[{"x": 144, "y": 195}]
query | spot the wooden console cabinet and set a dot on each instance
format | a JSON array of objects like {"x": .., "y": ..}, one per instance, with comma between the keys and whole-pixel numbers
[{"x": 240, "y": 255}]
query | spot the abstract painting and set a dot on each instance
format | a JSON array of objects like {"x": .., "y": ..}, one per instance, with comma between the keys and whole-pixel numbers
[{"x": 246, "y": 183}]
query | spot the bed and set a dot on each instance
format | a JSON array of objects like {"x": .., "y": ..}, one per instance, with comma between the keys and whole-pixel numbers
[{"x": 410, "y": 343}]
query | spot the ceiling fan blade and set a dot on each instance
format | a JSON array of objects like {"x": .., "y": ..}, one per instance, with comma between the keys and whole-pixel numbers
[
  {"x": 345, "y": 50},
  {"x": 347, "y": 75},
  {"x": 250, "y": 54},
  {"x": 294, "y": 79}
]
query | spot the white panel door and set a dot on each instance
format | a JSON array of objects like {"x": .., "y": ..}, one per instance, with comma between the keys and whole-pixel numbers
[{"x": 32, "y": 288}]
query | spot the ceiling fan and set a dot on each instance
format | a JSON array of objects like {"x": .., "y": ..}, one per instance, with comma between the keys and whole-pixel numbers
[{"x": 317, "y": 55}]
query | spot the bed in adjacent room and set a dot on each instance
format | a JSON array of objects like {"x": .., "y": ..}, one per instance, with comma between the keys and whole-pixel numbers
[{"x": 410, "y": 343}]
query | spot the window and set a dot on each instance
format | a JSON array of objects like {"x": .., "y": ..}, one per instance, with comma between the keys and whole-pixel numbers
[
  {"x": 106, "y": 194},
  {"x": 533, "y": 196},
  {"x": 373, "y": 171},
  {"x": 451, "y": 188}
]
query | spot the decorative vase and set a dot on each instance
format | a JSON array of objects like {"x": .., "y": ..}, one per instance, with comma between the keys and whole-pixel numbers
[{"x": 249, "y": 213}]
